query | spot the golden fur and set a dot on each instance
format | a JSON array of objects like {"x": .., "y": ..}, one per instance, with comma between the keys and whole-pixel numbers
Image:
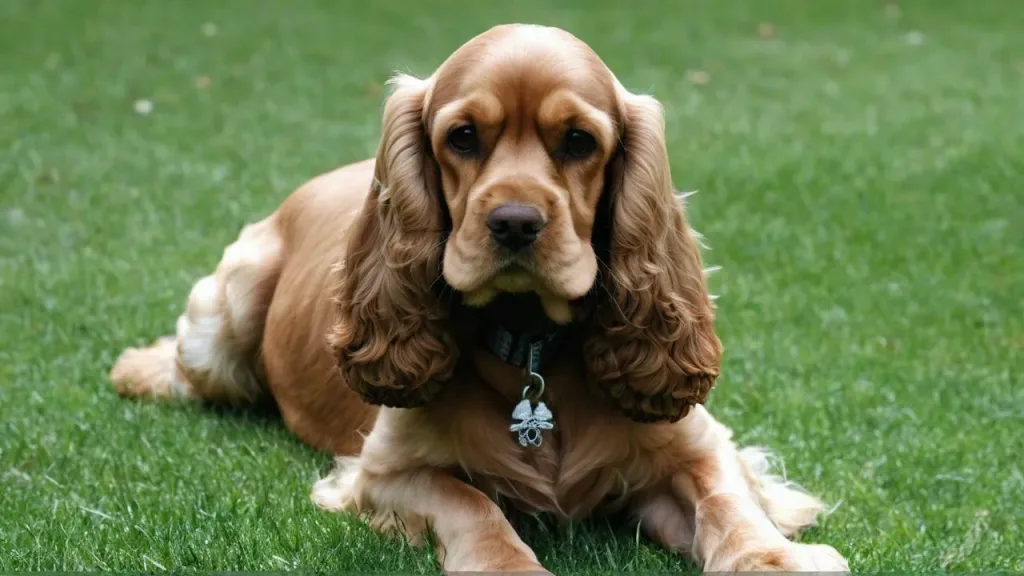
[{"x": 355, "y": 305}]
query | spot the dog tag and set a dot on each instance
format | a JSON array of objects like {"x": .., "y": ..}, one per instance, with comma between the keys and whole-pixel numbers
[{"x": 531, "y": 422}]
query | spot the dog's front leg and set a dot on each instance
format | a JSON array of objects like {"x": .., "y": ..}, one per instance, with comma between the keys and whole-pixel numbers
[
  {"x": 731, "y": 518},
  {"x": 401, "y": 482},
  {"x": 471, "y": 532}
]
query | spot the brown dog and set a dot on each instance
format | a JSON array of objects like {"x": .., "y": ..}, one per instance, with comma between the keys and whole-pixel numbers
[{"x": 505, "y": 305}]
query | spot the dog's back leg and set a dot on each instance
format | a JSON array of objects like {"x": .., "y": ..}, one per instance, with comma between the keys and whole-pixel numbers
[{"x": 215, "y": 355}]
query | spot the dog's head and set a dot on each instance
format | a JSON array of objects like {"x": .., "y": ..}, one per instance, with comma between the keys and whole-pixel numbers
[{"x": 523, "y": 166}]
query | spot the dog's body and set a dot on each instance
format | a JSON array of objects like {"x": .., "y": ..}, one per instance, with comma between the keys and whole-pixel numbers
[{"x": 335, "y": 305}]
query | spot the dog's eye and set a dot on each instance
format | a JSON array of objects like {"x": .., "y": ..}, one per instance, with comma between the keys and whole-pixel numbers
[
  {"x": 463, "y": 140},
  {"x": 579, "y": 144}
]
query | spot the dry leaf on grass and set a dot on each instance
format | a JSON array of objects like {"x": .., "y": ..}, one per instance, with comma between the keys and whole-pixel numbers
[{"x": 699, "y": 77}]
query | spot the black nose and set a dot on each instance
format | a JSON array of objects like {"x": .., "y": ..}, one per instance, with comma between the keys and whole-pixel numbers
[{"x": 515, "y": 226}]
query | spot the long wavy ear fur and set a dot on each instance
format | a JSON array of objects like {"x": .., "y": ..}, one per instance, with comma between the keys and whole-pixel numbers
[
  {"x": 654, "y": 350},
  {"x": 391, "y": 337}
]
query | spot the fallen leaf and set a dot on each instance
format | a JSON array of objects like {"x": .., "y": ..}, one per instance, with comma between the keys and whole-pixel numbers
[
  {"x": 203, "y": 81},
  {"x": 699, "y": 77},
  {"x": 765, "y": 30}
]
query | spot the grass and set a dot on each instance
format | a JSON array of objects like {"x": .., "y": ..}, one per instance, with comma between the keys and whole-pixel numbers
[{"x": 860, "y": 169}]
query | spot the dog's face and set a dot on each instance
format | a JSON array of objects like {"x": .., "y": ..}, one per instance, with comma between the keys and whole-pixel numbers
[
  {"x": 491, "y": 172},
  {"x": 522, "y": 122}
]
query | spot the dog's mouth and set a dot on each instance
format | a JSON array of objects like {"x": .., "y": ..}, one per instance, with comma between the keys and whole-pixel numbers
[
  {"x": 508, "y": 277},
  {"x": 515, "y": 278}
]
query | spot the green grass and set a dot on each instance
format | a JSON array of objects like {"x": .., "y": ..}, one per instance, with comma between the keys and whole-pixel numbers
[{"x": 861, "y": 184}]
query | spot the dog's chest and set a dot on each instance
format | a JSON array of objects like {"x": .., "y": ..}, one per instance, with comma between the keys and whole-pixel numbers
[
  {"x": 587, "y": 458},
  {"x": 548, "y": 493},
  {"x": 580, "y": 466}
]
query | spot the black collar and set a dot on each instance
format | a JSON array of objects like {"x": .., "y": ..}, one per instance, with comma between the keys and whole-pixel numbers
[
  {"x": 514, "y": 347},
  {"x": 512, "y": 326}
]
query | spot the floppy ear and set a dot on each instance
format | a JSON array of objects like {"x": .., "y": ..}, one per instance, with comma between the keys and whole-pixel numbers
[
  {"x": 391, "y": 335},
  {"x": 654, "y": 349}
]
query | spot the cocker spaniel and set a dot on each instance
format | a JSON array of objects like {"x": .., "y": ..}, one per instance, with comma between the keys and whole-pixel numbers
[{"x": 505, "y": 307}]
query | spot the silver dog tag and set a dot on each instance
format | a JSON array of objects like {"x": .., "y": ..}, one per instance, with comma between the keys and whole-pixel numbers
[{"x": 531, "y": 421}]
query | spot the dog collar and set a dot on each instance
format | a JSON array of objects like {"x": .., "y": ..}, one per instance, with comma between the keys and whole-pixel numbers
[{"x": 520, "y": 349}]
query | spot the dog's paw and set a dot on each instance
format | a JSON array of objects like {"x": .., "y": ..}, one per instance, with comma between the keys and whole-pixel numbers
[{"x": 790, "y": 557}]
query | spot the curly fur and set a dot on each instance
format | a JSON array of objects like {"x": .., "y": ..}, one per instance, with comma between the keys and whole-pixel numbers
[
  {"x": 391, "y": 338},
  {"x": 653, "y": 348}
]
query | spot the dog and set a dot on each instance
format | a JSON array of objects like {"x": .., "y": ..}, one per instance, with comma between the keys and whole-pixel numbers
[{"x": 505, "y": 307}]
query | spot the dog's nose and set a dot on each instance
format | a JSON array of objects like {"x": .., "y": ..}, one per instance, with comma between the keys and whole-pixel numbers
[{"x": 515, "y": 226}]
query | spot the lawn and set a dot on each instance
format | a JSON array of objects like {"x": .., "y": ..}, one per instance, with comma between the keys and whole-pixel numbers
[{"x": 860, "y": 172}]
